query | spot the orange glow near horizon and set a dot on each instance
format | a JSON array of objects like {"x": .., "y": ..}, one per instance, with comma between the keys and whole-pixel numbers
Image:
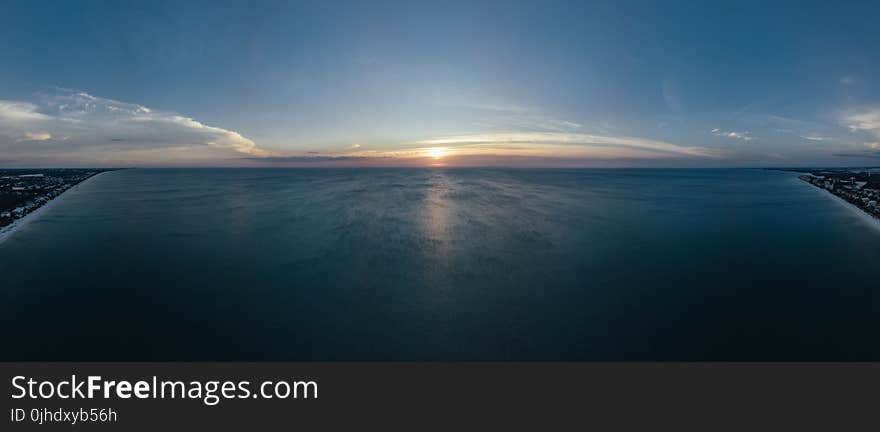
[{"x": 510, "y": 149}]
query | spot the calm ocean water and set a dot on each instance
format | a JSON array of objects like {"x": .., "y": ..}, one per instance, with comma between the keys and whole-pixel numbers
[{"x": 442, "y": 264}]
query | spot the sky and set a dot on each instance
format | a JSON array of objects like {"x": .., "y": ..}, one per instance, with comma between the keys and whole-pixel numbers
[{"x": 418, "y": 83}]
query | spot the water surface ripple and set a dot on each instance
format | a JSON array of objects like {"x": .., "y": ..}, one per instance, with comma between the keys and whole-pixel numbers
[{"x": 441, "y": 264}]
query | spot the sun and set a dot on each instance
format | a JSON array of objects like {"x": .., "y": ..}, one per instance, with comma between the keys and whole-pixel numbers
[{"x": 437, "y": 152}]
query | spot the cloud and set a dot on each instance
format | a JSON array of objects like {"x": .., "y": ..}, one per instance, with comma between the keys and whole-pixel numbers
[
  {"x": 512, "y": 141},
  {"x": 354, "y": 146},
  {"x": 744, "y": 136},
  {"x": 530, "y": 123},
  {"x": 20, "y": 111},
  {"x": 815, "y": 138},
  {"x": 867, "y": 120},
  {"x": 499, "y": 108},
  {"x": 865, "y": 123},
  {"x": 509, "y": 149},
  {"x": 106, "y": 130},
  {"x": 515, "y": 117},
  {"x": 848, "y": 80},
  {"x": 308, "y": 159},
  {"x": 36, "y": 136}
]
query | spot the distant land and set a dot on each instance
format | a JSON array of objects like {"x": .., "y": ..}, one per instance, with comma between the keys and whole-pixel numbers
[
  {"x": 23, "y": 191},
  {"x": 857, "y": 186}
]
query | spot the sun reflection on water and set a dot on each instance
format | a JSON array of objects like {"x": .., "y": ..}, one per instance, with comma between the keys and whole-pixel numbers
[{"x": 436, "y": 214}]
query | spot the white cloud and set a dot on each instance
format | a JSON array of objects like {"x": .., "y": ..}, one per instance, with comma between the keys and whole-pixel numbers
[
  {"x": 744, "y": 136},
  {"x": 535, "y": 123},
  {"x": 19, "y": 111},
  {"x": 867, "y": 120},
  {"x": 532, "y": 121},
  {"x": 107, "y": 130},
  {"x": 815, "y": 138},
  {"x": 848, "y": 80},
  {"x": 515, "y": 117},
  {"x": 535, "y": 140},
  {"x": 36, "y": 136}
]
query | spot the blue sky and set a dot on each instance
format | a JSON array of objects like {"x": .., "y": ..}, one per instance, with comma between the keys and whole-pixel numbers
[{"x": 440, "y": 83}]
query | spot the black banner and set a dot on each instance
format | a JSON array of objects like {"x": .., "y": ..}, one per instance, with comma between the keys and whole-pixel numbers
[{"x": 413, "y": 396}]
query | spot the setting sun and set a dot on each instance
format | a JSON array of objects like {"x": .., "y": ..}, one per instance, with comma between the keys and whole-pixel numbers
[{"x": 437, "y": 152}]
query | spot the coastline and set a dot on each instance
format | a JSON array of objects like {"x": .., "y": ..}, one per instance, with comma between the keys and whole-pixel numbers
[
  {"x": 10, "y": 229},
  {"x": 868, "y": 218}
]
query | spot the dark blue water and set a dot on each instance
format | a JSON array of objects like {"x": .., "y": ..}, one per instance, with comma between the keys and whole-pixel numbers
[{"x": 434, "y": 264}]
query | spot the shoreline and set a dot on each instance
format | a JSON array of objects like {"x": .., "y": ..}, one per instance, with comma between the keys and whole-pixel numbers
[
  {"x": 10, "y": 229},
  {"x": 867, "y": 217}
]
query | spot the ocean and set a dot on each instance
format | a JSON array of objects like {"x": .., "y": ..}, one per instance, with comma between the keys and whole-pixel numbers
[{"x": 442, "y": 264}]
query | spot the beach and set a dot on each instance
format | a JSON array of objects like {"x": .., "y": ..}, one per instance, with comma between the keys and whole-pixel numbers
[
  {"x": 10, "y": 229},
  {"x": 867, "y": 218}
]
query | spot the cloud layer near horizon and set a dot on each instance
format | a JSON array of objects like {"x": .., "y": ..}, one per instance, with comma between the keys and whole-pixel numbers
[
  {"x": 865, "y": 121},
  {"x": 68, "y": 127},
  {"x": 81, "y": 128},
  {"x": 524, "y": 148},
  {"x": 573, "y": 144}
]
